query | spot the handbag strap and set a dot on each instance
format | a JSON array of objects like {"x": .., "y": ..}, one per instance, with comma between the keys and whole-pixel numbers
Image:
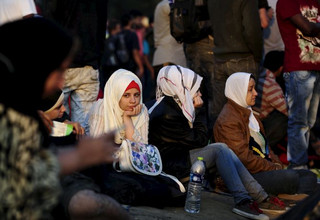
[{"x": 181, "y": 187}]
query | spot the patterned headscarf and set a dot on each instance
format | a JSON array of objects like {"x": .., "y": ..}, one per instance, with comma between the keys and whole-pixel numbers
[{"x": 181, "y": 84}]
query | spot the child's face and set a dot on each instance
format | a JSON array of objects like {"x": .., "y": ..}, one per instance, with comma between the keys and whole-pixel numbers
[
  {"x": 130, "y": 99},
  {"x": 57, "y": 112}
]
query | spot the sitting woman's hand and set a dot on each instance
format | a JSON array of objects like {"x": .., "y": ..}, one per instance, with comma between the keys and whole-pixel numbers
[
  {"x": 77, "y": 128},
  {"x": 197, "y": 100},
  {"x": 134, "y": 111}
]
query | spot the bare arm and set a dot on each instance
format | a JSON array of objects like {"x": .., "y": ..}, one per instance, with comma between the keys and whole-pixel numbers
[
  {"x": 129, "y": 127},
  {"x": 306, "y": 27},
  {"x": 264, "y": 19}
]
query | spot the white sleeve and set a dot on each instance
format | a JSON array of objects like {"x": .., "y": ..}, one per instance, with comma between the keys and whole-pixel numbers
[
  {"x": 95, "y": 122},
  {"x": 27, "y": 7}
]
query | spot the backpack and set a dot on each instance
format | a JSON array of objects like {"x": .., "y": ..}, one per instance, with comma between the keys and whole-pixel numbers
[
  {"x": 115, "y": 53},
  {"x": 189, "y": 20},
  {"x": 122, "y": 52}
]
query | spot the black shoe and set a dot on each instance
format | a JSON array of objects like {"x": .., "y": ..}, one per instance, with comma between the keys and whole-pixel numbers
[
  {"x": 249, "y": 209},
  {"x": 297, "y": 167}
]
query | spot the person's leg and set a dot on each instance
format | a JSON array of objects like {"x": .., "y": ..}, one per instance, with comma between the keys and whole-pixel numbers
[
  {"x": 302, "y": 107},
  {"x": 219, "y": 155},
  {"x": 87, "y": 81},
  {"x": 287, "y": 181},
  {"x": 278, "y": 181},
  {"x": 87, "y": 204},
  {"x": 68, "y": 88},
  {"x": 254, "y": 189},
  {"x": 307, "y": 181},
  {"x": 82, "y": 199}
]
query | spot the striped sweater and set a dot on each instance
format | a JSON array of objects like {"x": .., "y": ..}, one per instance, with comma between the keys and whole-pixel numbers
[{"x": 270, "y": 95}]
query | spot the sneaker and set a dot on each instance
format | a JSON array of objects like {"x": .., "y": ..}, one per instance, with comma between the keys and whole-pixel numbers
[
  {"x": 297, "y": 167},
  {"x": 273, "y": 204},
  {"x": 289, "y": 202},
  {"x": 249, "y": 209}
]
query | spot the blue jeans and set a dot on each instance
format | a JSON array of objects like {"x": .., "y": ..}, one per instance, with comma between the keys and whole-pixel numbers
[
  {"x": 82, "y": 86},
  {"x": 236, "y": 177},
  {"x": 287, "y": 181},
  {"x": 303, "y": 89}
]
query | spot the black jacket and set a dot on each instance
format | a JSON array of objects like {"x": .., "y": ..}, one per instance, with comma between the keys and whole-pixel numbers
[
  {"x": 236, "y": 29},
  {"x": 170, "y": 132}
]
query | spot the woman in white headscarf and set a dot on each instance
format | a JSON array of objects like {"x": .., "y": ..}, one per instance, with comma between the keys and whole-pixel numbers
[
  {"x": 238, "y": 127},
  {"x": 178, "y": 128},
  {"x": 121, "y": 109}
]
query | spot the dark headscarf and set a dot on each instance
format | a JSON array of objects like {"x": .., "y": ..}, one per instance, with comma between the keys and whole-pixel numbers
[{"x": 30, "y": 49}]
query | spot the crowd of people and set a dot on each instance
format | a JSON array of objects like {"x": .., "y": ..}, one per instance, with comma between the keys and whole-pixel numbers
[{"x": 232, "y": 97}]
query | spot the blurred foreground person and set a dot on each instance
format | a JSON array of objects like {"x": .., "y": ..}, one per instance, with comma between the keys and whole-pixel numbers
[{"x": 34, "y": 66}]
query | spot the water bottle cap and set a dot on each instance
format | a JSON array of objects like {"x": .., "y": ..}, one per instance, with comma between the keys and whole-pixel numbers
[{"x": 200, "y": 158}]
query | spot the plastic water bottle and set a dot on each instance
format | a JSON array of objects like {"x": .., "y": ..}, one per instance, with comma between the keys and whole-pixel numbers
[{"x": 193, "y": 199}]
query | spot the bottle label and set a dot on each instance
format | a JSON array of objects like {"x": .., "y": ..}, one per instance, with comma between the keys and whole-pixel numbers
[{"x": 196, "y": 178}]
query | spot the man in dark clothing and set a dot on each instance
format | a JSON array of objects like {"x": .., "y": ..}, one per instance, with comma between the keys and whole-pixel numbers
[
  {"x": 238, "y": 43},
  {"x": 133, "y": 61}
]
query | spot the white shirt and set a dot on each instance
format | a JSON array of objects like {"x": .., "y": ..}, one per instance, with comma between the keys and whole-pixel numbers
[
  {"x": 167, "y": 48},
  {"x": 11, "y": 10}
]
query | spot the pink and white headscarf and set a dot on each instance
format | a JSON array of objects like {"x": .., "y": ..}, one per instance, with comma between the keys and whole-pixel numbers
[
  {"x": 106, "y": 114},
  {"x": 181, "y": 84}
]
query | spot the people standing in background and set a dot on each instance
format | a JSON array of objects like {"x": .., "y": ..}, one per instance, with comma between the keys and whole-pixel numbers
[
  {"x": 168, "y": 51},
  {"x": 237, "y": 43},
  {"x": 11, "y": 10},
  {"x": 86, "y": 20},
  {"x": 300, "y": 30},
  {"x": 130, "y": 57},
  {"x": 150, "y": 39},
  {"x": 271, "y": 35},
  {"x": 139, "y": 26},
  {"x": 110, "y": 62},
  {"x": 199, "y": 55}
]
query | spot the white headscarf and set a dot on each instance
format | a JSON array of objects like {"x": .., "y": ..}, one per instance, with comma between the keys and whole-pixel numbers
[
  {"x": 236, "y": 89},
  {"x": 108, "y": 113},
  {"x": 182, "y": 86}
]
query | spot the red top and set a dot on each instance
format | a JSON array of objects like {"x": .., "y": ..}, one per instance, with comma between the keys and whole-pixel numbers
[{"x": 301, "y": 52}]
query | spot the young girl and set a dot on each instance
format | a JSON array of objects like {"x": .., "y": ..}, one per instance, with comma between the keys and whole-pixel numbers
[
  {"x": 54, "y": 109},
  {"x": 122, "y": 110}
]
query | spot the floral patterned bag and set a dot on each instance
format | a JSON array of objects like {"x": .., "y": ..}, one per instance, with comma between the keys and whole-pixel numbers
[{"x": 139, "y": 158}]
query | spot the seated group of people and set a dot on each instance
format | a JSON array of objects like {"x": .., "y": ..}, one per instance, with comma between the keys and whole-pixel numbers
[{"x": 175, "y": 122}]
